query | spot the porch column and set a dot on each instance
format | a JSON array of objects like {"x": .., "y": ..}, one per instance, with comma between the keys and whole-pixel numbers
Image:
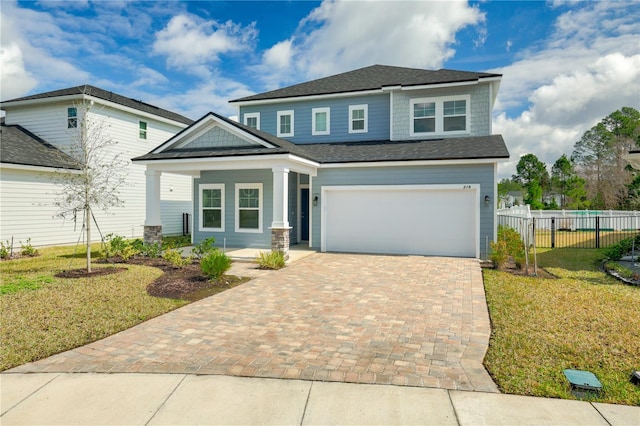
[
  {"x": 280, "y": 224},
  {"x": 152, "y": 222}
]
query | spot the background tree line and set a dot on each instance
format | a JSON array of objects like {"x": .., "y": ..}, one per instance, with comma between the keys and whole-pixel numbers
[{"x": 595, "y": 176}]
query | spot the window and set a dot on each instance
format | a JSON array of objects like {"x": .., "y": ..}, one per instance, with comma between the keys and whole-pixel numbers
[
  {"x": 212, "y": 207},
  {"x": 446, "y": 115},
  {"x": 248, "y": 207},
  {"x": 72, "y": 118},
  {"x": 320, "y": 121},
  {"x": 358, "y": 119},
  {"x": 252, "y": 119},
  {"x": 285, "y": 123},
  {"x": 143, "y": 130}
]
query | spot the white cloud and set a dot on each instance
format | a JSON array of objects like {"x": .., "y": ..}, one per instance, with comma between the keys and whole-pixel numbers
[
  {"x": 190, "y": 43},
  {"x": 341, "y": 36},
  {"x": 587, "y": 69},
  {"x": 14, "y": 79}
]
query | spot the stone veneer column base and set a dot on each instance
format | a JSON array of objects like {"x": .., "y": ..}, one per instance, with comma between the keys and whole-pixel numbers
[
  {"x": 153, "y": 234},
  {"x": 280, "y": 240}
]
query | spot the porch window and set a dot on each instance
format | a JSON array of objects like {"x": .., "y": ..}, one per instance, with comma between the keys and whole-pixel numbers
[
  {"x": 285, "y": 123},
  {"x": 212, "y": 207},
  {"x": 320, "y": 121},
  {"x": 248, "y": 207},
  {"x": 72, "y": 118},
  {"x": 358, "y": 118},
  {"x": 252, "y": 119}
]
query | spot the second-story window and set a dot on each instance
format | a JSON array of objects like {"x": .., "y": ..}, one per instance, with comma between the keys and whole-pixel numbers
[
  {"x": 285, "y": 124},
  {"x": 72, "y": 118},
  {"x": 358, "y": 118},
  {"x": 252, "y": 119},
  {"x": 320, "y": 121},
  {"x": 142, "y": 132},
  {"x": 437, "y": 116}
]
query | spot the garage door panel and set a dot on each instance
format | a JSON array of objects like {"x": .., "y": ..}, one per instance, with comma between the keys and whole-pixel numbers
[{"x": 399, "y": 220}]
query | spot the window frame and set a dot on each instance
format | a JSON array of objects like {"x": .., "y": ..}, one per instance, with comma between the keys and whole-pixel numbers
[
  {"x": 260, "y": 208},
  {"x": 439, "y": 115},
  {"x": 248, "y": 115},
  {"x": 142, "y": 131},
  {"x": 201, "y": 209},
  {"x": 314, "y": 111},
  {"x": 292, "y": 130},
  {"x": 352, "y": 108},
  {"x": 72, "y": 119}
]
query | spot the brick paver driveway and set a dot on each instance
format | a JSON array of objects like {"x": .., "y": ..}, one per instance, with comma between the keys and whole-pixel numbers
[{"x": 404, "y": 320}]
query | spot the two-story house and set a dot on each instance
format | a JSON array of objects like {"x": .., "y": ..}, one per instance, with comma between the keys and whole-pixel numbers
[
  {"x": 378, "y": 160},
  {"x": 35, "y": 150}
]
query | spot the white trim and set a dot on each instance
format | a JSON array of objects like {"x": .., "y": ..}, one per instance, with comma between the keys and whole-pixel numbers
[
  {"x": 201, "y": 187},
  {"x": 238, "y": 187},
  {"x": 314, "y": 112},
  {"x": 255, "y": 115},
  {"x": 439, "y": 187},
  {"x": 281, "y": 114},
  {"x": 352, "y": 108},
  {"x": 412, "y": 163},
  {"x": 439, "y": 115},
  {"x": 311, "y": 212},
  {"x": 391, "y": 138},
  {"x": 42, "y": 169}
]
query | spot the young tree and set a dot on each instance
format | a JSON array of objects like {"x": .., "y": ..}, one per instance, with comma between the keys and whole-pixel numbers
[{"x": 101, "y": 170}]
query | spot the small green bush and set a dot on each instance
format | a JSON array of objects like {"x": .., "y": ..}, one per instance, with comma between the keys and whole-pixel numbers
[
  {"x": 151, "y": 250},
  {"x": 175, "y": 258},
  {"x": 271, "y": 260},
  {"x": 623, "y": 247},
  {"x": 118, "y": 246},
  {"x": 215, "y": 264},
  {"x": 5, "y": 250},
  {"x": 204, "y": 247},
  {"x": 27, "y": 249},
  {"x": 509, "y": 244}
]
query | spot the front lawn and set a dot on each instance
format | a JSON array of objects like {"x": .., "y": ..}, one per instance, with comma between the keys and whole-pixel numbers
[
  {"x": 42, "y": 315},
  {"x": 582, "y": 320}
]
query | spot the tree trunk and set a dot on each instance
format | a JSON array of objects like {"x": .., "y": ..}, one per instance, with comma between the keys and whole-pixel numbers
[{"x": 88, "y": 221}]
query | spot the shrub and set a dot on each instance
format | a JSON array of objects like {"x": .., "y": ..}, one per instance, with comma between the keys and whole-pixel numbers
[
  {"x": 509, "y": 244},
  {"x": 5, "y": 250},
  {"x": 215, "y": 264},
  {"x": 616, "y": 251},
  {"x": 27, "y": 249},
  {"x": 118, "y": 246},
  {"x": 152, "y": 250},
  {"x": 204, "y": 247},
  {"x": 271, "y": 260},
  {"x": 175, "y": 258}
]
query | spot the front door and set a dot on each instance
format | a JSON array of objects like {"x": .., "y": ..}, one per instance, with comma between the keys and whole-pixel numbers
[{"x": 304, "y": 214}]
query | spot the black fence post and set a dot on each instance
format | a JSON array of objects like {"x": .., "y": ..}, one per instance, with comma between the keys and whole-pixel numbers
[
  {"x": 597, "y": 231},
  {"x": 553, "y": 232}
]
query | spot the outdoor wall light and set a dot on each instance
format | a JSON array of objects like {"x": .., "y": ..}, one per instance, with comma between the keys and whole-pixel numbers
[
  {"x": 315, "y": 201},
  {"x": 487, "y": 199}
]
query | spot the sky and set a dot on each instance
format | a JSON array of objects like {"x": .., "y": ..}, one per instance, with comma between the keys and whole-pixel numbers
[{"x": 565, "y": 64}]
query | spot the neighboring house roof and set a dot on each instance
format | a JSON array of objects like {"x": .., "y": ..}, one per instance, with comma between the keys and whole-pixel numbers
[
  {"x": 96, "y": 92},
  {"x": 374, "y": 77},
  {"x": 20, "y": 146},
  {"x": 464, "y": 148}
]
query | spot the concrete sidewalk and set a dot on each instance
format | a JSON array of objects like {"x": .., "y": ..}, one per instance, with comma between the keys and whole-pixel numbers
[{"x": 172, "y": 399}]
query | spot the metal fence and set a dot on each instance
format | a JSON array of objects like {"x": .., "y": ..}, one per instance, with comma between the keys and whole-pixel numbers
[{"x": 577, "y": 229}]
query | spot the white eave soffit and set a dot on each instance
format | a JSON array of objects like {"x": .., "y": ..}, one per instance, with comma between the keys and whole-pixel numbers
[{"x": 209, "y": 122}]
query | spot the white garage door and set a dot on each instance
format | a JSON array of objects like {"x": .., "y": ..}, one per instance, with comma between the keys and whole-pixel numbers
[{"x": 437, "y": 220}]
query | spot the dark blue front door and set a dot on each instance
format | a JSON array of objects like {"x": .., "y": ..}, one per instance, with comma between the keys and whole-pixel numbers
[{"x": 304, "y": 214}]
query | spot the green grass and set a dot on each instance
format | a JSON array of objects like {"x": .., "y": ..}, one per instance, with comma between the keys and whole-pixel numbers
[
  {"x": 42, "y": 315},
  {"x": 583, "y": 320}
]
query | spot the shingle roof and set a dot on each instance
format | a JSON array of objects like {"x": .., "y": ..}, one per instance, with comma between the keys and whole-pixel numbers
[
  {"x": 370, "y": 78},
  {"x": 20, "y": 146},
  {"x": 464, "y": 148},
  {"x": 107, "y": 96}
]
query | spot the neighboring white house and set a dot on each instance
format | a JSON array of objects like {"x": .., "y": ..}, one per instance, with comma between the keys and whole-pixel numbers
[{"x": 35, "y": 135}]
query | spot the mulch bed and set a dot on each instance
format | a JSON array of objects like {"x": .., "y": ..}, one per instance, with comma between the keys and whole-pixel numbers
[
  {"x": 511, "y": 267},
  {"x": 188, "y": 283},
  {"x": 82, "y": 273}
]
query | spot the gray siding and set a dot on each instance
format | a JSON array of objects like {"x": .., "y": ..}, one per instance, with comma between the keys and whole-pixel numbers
[
  {"x": 217, "y": 137},
  {"x": 378, "y": 118},
  {"x": 229, "y": 179},
  {"x": 482, "y": 174},
  {"x": 480, "y": 120}
]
